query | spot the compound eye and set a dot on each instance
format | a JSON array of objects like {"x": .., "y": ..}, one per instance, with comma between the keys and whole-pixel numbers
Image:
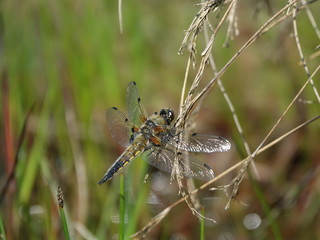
[{"x": 171, "y": 115}]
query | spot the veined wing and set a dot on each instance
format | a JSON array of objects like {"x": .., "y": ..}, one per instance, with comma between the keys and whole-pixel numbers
[
  {"x": 136, "y": 112},
  {"x": 202, "y": 143},
  {"x": 164, "y": 160},
  {"x": 120, "y": 127}
]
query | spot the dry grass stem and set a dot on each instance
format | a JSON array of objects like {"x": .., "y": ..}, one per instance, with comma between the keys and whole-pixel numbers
[
  {"x": 196, "y": 26},
  {"x": 311, "y": 57},
  {"x": 311, "y": 18},
  {"x": 296, "y": 37},
  {"x": 244, "y": 47},
  {"x": 285, "y": 111},
  {"x": 158, "y": 218},
  {"x": 191, "y": 201},
  {"x": 233, "y": 30},
  {"x": 184, "y": 112},
  {"x": 190, "y": 104},
  {"x": 237, "y": 180},
  {"x": 226, "y": 96},
  {"x": 120, "y": 15}
]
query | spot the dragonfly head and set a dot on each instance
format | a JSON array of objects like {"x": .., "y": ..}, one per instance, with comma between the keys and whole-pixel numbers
[{"x": 167, "y": 114}]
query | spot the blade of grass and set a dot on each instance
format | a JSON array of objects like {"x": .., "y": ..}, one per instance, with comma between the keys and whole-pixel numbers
[
  {"x": 37, "y": 149},
  {"x": 62, "y": 215},
  {"x": 11, "y": 176},
  {"x": 2, "y": 232},
  {"x": 122, "y": 208},
  {"x": 9, "y": 148},
  {"x": 64, "y": 224},
  {"x": 136, "y": 209},
  {"x": 202, "y": 226},
  {"x": 106, "y": 214}
]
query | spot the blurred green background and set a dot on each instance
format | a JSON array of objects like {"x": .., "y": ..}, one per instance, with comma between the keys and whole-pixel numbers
[{"x": 70, "y": 62}]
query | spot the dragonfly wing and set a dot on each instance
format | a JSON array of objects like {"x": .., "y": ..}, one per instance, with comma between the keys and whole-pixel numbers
[
  {"x": 189, "y": 167},
  {"x": 120, "y": 127},
  {"x": 136, "y": 112},
  {"x": 202, "y": 143}
]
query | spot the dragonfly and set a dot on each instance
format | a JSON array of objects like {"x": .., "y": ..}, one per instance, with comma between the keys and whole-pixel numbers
[{"x": 157, "y": 140}]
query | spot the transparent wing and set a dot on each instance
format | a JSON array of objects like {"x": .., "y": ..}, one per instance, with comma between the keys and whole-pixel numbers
[
  {"x": 202, "y": 143},
  {"x": 164, "y": 160},
  {"x": 120, "y": 127},
  {"x": 136, "y": 112}
]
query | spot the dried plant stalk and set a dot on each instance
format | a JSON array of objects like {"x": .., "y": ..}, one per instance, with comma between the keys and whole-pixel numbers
[
  {"x": 192, "y": 102},
  {"x": 296, "y": 37},
  {"x": 158, "y": 218}
]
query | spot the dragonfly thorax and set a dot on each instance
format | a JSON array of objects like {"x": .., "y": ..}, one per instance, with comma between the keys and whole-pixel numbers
[{"x": 147, "y": 130}]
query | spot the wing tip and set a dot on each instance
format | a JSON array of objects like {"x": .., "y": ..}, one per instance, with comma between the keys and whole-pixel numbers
[
  {"x": 210, "y": 170},
  {"x": 227, "y": 145}
]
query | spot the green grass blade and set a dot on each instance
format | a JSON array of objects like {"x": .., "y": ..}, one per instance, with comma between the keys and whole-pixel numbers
[
  {"x": 202, "y": 226},
  {"x": 2, "y": 232},
  {"x": 36, "y": 154},
  {"x": 135, "y": 209},
  {"x": 63, "y": 215},
  {"x": 122, "y": 208},
  {"x": 64, "y": 224}
]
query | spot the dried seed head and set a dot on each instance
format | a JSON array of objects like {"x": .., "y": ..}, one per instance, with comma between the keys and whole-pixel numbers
[{"x": 60, "y": 197}]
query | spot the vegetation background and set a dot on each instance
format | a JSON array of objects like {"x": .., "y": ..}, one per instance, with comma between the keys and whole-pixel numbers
[{"x": 64, "y": 63}]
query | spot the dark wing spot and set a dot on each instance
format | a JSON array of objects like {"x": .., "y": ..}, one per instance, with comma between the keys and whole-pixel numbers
[
  {"x": 207, "y": 166},
  {"x": 193, "y": 134},
  {"x": 126, "y": 120},
  {"x": 139, "y": 99},
  {"x": 134, "y": 83},
  {"x": 114, "y": 108},
  {"x": 179, "y": 153}
]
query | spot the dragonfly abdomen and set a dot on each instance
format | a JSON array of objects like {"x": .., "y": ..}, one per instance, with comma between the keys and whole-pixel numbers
[{"x": 129, "y": 154}]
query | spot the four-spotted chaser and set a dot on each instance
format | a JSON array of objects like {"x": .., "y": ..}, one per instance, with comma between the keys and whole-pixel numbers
[{"x": 157, "y": 140}]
